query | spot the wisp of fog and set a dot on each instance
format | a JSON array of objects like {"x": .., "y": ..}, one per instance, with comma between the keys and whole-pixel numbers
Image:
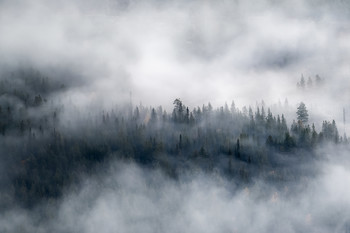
[
  {"x": 127, "y": 198},
  {"x": 82, "y": 151}
]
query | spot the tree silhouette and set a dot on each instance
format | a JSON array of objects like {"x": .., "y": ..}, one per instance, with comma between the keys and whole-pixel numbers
[{"x": 302, "y": 113}]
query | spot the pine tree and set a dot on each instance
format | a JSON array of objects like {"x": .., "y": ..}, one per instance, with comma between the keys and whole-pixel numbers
[
  {"x": 284, "y": 123},
  {"x": 153, "y": 116},
  {"x": 178, "y": 112},
  {"x": 335, "y": 132},
  {"x": 313, "y": 136},
  {"x": 233, "y": 107},
  {"x": 302, "y": 113}
]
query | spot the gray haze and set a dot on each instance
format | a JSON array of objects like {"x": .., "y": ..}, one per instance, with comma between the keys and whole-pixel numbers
[
  {"x": 199, "y": 51},
  {"x": 126, "y": 198}
]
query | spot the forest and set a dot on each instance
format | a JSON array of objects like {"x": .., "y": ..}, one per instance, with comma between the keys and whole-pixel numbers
[
  {"x": 43, "y": 153},
  {"x": 199, "y": 116}
]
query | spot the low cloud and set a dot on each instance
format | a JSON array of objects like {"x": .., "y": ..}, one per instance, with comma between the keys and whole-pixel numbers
[
  {"x": 199, "y": 51},
  {"x": 128, "y": 198}
]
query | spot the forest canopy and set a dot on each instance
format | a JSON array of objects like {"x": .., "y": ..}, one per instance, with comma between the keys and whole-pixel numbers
[{"x": 48, "y": 151}]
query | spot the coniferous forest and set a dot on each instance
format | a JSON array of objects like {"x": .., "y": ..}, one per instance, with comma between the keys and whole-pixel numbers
[
  {"x": 48, "y": 153},
  {"x": 199, "y": 116}
]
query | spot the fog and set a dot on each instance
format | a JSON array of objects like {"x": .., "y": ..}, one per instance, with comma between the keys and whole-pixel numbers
[
  {"x": 199, "y": 51},
  {"x": 124, "y": 197},
  {"x": 104, "y": 55}
]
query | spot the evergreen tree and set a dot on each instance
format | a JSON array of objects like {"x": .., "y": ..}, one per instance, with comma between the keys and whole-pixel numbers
[
  {"x": 284, "y": 123},
  {"x": 233, "y": 107},
  {"x": 302, "y": 113},
  {"x": 301, "y": 84},
  {"x": 153, "y": 116},
  {"x": 313, "y": 136},
  {"x": 178, "y": 112},
  {"x": 335, "y": 132}
]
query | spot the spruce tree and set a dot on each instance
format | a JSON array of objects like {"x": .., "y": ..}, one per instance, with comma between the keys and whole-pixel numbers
[{"x": 302, "y": 113}]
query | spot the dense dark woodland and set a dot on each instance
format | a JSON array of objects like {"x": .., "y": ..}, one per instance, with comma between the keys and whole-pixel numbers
[{"x": 42, "y": 154}]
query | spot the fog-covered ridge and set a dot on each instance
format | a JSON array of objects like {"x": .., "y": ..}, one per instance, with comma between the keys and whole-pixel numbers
[
  {"x": 174, "y": 116},
  {"x": 46, "y": 142}
]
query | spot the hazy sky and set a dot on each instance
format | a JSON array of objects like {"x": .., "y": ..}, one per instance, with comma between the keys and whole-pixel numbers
[{"x": 199, "y": 51}]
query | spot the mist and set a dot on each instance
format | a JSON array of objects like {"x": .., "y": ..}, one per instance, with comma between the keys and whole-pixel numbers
[
  {"x": 124, "y": 197},
  {"x": 91, "y": 139},
  {"x": 199, "y": 50}
]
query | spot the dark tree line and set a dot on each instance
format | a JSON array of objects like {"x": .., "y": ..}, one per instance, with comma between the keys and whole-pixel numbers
[{"x": 44, "y": 154}]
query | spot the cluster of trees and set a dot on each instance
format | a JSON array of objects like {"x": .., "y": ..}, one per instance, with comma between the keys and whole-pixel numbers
[
  {"x": 45, "y": 154},
  {"x": 22, "y": 93},
  {"x": 317, "y": 81},
  {"x": 330, "y": 132}
]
